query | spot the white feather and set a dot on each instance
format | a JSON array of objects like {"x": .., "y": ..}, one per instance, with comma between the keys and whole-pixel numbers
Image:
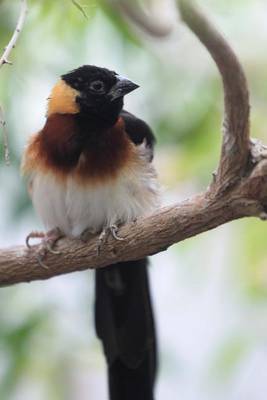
[{"x": 74, "y": 208}]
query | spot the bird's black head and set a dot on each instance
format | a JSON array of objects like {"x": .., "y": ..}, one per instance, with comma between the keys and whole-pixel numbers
[{"x": 100, "y": 93}]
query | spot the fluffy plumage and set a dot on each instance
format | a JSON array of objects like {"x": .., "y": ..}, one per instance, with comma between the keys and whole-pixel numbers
[
  {"x": 74, "y": 202},
  {"x": 88, "y": 177}
]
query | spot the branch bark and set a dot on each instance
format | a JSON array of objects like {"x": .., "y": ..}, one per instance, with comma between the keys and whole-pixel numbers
[
  {"x": 144, "y": 237},
  {"x": 238, "y": 190}
]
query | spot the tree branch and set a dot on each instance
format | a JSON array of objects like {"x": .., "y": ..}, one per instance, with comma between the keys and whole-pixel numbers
[
  {"x": 239, "y": 189},
  {"x": 4, "y": 59},
  {"x": 144, "y": 237},
  {"x": 235, "y": 148}
]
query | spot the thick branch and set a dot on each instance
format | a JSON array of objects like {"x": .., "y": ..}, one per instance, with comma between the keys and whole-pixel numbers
[
  {"x": 235, "y": 148},
  {"x": 146, "y": 237}
]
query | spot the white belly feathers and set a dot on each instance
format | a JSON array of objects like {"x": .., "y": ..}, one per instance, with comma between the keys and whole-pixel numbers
[{"x": 74, "y": 208}]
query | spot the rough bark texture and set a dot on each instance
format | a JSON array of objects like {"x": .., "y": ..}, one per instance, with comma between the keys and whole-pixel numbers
[{"x": 239, "y": 188}]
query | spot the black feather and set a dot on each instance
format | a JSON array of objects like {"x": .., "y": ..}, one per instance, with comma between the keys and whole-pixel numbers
[
  {"x": 138, "y": 130},
  {"x": 125, "y": 324}
]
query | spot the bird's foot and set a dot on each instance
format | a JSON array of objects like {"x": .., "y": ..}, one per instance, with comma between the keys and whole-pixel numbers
[
  {"x": 49, "y": 239},
  {"x": 114, "y": 232},
  {"x": 110, "y": 230}
]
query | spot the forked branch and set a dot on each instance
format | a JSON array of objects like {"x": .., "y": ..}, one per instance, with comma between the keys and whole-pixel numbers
[{"x": 239, "y": 189}]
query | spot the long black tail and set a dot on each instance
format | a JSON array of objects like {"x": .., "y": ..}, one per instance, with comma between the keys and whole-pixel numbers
[{"x": 125, "y": 324}]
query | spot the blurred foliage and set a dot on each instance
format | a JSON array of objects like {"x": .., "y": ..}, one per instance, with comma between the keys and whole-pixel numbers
[
  {"x": 181, "y": 98},
  {"x": 229, "y": 356},
  {"x": 15, "y": 343}
]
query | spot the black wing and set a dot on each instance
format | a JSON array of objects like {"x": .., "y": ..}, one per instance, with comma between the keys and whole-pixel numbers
[{"x": 138, "y": 130}]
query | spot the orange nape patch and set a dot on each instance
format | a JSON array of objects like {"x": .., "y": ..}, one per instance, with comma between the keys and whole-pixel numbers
[
  {"x": 57, "y": 150},
  {"x": 62, "y": 100}
]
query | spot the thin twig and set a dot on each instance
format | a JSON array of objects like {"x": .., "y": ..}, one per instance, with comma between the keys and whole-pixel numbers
[
  {"x": 5, "y": 137},
  {"x": 5, "y": 60},
  {"x": 12, "y": 43}
]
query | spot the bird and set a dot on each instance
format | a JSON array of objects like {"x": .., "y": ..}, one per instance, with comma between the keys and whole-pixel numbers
[{"x": 90, "y": 170}]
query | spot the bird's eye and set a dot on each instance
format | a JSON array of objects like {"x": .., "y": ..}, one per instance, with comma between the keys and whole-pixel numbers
[{"x": 97, "y": 86}]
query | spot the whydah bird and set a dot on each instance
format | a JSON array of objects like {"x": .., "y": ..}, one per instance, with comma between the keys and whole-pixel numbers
[{"x": 89, "y": 171}]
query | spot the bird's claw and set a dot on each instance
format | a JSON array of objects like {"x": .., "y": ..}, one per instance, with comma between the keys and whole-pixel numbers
[
  {"x": 101, "y": 239},
  {"x": 113, "y": 230},
  {"x": 48, "y": 241},
  {"x": 33, "y": 235},
  {"x": 40, "y": 261},
  {"x": 49, "y": 248}
]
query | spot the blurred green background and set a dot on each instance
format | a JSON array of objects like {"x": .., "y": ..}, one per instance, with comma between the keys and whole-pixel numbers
[{"x": 210, "y": 292}]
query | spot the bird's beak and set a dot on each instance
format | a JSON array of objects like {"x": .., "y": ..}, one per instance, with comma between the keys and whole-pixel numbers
[{"x": 122, "y": 87}]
